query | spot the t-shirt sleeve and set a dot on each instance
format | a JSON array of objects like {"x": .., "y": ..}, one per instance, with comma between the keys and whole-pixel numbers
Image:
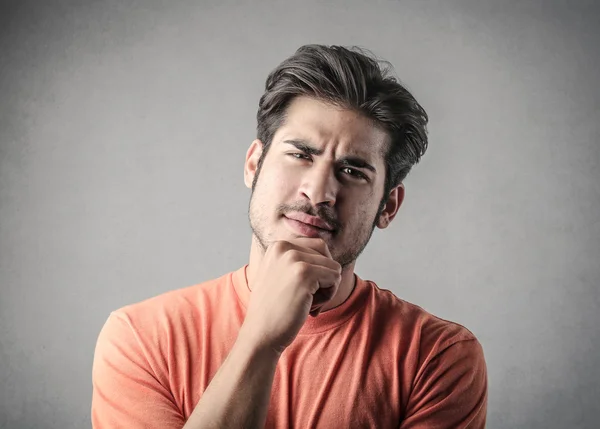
[
  {"x": 126, "y": 393},
  {"x": 451, "y": 391}
]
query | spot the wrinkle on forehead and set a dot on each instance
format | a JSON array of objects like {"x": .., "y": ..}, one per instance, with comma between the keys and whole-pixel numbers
[{"x": 334, "y": 128}]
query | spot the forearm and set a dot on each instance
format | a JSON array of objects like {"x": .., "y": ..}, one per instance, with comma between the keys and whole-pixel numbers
[{"x": 238, "y": 395}]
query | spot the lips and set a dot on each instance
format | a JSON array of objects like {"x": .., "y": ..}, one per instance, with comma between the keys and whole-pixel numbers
[
  {"x": 306, "y": 230},
  {"x": 310, "y": 220}
]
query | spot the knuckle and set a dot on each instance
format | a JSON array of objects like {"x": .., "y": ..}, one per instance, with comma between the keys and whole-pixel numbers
[
  {"x": 302, "y": 268},
  {"x": 279, "y": 246},
  {"x": 294, "y": 255}
]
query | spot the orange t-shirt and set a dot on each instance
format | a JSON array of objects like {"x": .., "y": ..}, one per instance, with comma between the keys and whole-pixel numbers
[{"x": 375, "y": 361}]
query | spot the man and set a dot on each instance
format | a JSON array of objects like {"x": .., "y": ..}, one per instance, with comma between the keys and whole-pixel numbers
[{"x": 336, "y": 138}]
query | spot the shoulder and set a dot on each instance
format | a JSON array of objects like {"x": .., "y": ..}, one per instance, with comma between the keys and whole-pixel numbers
[
  {"x": 436, "y": 332},
  {"x": 147, "y": 333},
  {"x": 441, "y": 361},
  {"x": 421, "y": 331},
  {"x": 158, "y": 317},
  {"x": 175, "y": 303}
]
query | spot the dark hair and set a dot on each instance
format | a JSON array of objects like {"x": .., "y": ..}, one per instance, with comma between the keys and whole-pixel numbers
[{"x": 349, "y": 78}]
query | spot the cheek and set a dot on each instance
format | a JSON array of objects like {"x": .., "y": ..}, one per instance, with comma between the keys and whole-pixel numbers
[
  {"x": 282, "y": 181},
  {"x": 359, "y": 214},
  {"x": 276, "y": 186}
]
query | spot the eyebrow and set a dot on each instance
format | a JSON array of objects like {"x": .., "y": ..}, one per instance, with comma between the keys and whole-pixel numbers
[{"x": 350, "y": 161}]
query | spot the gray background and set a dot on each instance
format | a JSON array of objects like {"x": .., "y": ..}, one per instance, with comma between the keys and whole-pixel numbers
[{"x": 123, "y": 131}]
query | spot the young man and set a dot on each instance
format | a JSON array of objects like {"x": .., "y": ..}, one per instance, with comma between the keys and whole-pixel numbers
[{"x": 295, "y": 338}]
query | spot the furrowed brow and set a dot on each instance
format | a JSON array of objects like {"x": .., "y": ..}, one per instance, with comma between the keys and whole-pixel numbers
[
  {"x": 304, "y": 146},
  {"x": 357, "y": 162},
  {"x": 350, "y": 161}
]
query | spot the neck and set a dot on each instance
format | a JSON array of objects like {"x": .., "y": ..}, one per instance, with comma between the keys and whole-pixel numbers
[{"x": 346, "y": 285}]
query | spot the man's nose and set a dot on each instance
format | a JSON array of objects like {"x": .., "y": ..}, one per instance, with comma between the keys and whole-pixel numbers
[{"x": 320, "y": 186}]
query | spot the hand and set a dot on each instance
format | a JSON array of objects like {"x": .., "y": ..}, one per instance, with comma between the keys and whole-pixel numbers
[{"x": 296, "y": 277}]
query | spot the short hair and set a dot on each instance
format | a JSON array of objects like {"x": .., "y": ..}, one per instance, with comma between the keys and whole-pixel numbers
[{"x": 353, "y": 79}]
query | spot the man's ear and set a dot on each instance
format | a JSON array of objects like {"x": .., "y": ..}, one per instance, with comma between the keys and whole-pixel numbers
[
  {"x": 394, "y": 201},
  {"x": 252, "y": 157}
]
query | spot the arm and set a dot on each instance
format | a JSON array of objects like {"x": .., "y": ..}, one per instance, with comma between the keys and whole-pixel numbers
[
  {"x": 133, "y": 391},
  {"x": 238, "y": 396},
  {"x": 451, "y": 390},
  {"x": 127, "y": 391},
  {"x": 128, "y": 394}
]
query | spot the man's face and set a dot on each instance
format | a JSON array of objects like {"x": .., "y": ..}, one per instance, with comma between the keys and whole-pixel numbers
[{"x": 326, "y": 166}]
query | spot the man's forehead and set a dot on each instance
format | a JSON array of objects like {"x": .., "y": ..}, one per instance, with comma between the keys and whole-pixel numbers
[
  {"x": 319, "y": 123},
  {"x": 368, "y": 150}
]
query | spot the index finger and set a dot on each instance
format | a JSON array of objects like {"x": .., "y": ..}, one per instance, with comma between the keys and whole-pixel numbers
[{"x": 317, "y": 244}]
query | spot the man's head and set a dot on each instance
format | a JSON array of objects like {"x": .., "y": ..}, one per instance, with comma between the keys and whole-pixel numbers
[{"x": 336, "y": 137}]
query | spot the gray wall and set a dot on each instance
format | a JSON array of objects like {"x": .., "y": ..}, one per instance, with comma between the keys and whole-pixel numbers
[{"x": 123, "y": 130}]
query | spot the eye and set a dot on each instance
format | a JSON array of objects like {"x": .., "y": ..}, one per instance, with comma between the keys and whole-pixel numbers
[
  {"x": 354, "y": 173},
  {"x": 298, "y": 155}
]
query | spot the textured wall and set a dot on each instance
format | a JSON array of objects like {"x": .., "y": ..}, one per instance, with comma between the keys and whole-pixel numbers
[{"x": 123, "y": 131}]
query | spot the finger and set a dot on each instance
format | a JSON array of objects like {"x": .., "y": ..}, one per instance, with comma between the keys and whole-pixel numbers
[
  {"x": 323, "y": 295},
  {"x": 314, "y": 258},
  {"x": 315, "y": 313},
  {"x": 320, "y": 299},
  {"x": 317, "y": 244},
  {"x": 286, "y": 245},
  {"x": 322, "y": 277},
  {"x": 323, "y": 250}
]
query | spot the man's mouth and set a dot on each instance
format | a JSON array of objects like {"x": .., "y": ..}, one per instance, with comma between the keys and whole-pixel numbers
[
  {"x": 310, "y": 221},
  {"x": 307, "y": 229}
]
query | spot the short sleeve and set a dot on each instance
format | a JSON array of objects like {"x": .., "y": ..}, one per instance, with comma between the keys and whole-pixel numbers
[
  {"x": 451, "y": 391},
  {"x": 126, "y": 393}
]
